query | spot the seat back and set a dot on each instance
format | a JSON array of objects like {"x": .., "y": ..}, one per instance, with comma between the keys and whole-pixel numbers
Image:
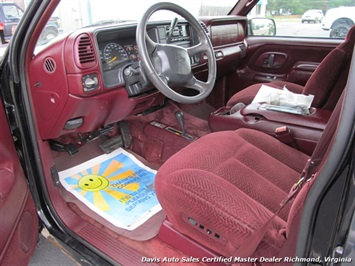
[
  {"x": 319, "y": 156},
  {"x": 329, "y": 80}
]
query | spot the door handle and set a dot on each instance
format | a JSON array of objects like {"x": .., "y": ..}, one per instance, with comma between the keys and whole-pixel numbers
[{"x": 269, "y": 61}]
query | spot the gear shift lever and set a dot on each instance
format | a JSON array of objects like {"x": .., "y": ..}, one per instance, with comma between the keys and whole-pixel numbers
[{"x": 180, "y": 117}]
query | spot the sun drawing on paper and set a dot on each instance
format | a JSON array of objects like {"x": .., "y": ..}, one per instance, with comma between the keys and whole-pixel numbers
[{"x": 104, "y": 181}]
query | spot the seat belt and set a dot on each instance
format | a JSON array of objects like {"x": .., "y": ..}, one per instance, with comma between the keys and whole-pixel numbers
[{"x": 248, "y": 247}]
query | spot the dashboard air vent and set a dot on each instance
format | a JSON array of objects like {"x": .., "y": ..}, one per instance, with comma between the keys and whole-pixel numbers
[
  {"x": 86, "y": 53},
  {"x": 204, "y": 27},
  {"x": 49, "y": 65}
]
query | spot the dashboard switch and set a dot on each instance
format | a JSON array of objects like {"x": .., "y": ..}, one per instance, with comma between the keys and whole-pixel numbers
[
  {"x": 218, "y": 55},
  {"x": 90, "y": 82}
]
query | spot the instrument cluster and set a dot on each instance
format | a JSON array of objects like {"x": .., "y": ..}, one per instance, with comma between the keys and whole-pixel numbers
[{"x": 115, "y": 54}]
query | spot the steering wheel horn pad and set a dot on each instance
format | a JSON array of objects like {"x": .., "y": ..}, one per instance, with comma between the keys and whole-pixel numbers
[{"x": 173, "y": 63}]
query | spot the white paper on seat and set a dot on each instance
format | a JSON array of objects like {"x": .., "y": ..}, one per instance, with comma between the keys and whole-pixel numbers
[{"x": 283, "y": 100}]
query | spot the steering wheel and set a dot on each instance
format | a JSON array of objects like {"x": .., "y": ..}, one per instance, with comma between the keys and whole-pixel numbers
[{"x": 168, "y": 65}]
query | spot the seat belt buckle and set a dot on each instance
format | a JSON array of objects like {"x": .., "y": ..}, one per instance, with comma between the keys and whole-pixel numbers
[{"x": 284, "y": 135}]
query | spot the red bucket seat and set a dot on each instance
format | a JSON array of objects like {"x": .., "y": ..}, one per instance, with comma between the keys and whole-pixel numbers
[
  {"x": 223, "y": 188},
  {"x": 326, "y": 83}
]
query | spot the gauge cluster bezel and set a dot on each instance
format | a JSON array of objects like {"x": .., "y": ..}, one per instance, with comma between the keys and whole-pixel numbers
[
  {"x": 112, "y": 72},
  {"x": 123, "y": 38}
]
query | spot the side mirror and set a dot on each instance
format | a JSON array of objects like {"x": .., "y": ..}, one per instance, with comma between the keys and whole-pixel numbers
[{"x": 262, "y": 27}]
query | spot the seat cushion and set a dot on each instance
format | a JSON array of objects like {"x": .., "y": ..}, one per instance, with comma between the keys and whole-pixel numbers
[{"x": 224, "y": 186}]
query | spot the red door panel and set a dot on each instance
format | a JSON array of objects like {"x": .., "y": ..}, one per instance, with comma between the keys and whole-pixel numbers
[
  {"x": 287, "y": 59},
  {"x": 18, "y": 218}
]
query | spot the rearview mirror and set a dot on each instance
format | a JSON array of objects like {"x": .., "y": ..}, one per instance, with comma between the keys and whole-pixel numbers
[{"x": 262, "y": 27}]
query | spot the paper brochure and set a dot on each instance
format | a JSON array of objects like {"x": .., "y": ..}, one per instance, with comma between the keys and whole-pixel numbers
[{"x": 117, "y": 186}]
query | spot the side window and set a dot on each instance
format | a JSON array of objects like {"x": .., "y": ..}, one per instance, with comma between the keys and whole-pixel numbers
[
  {"x": 12, "y": 12},
  {"x": 308, "y": 18}
]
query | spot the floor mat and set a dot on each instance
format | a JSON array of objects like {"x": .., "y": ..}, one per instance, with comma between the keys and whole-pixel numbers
[
  {"x": 116, "y": 186},
  {"x": 152, "y": 148}
]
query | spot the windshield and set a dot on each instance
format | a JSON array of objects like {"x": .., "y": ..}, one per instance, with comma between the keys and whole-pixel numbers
[
  {"x": 81, "y": 13},
  {"x": 71, "y": 15},
  {"x": 132, "y": 10}
]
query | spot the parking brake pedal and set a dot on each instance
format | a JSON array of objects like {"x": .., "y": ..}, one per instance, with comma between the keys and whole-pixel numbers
[{"x": 70, "y": 148}]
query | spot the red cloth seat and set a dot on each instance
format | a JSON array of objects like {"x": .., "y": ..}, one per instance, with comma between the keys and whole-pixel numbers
[
  {"x": 221, "y": 189},
  {"x": 326, "y": 83},
  {"x": 230, "y": 183}
]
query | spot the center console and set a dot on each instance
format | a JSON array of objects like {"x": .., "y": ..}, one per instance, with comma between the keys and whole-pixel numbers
[{"x": 303, "y": 131}]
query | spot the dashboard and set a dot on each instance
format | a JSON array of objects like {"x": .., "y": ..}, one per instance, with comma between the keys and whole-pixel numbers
[{"x": 92, "y": 77}]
